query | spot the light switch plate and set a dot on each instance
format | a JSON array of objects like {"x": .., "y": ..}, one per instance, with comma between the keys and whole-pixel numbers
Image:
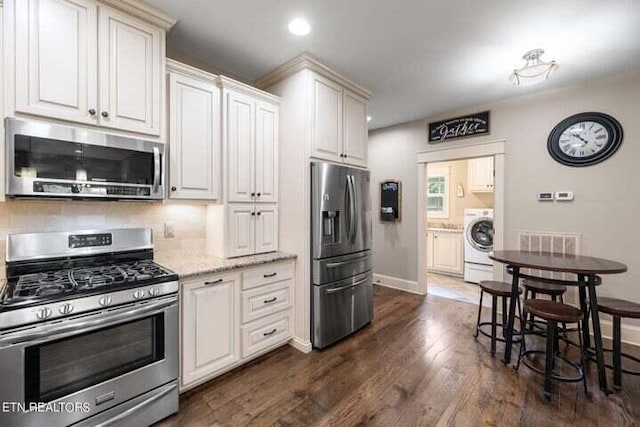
[
  {"x": 169, "y": 230},
  {"x": 564, "y": 196},
  {"x": 545, "y": 197}
]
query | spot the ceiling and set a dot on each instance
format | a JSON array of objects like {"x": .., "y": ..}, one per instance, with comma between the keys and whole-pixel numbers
[{"x": 419, "y": 57}]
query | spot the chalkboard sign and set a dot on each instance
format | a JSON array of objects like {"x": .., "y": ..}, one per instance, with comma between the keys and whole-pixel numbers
[
  {"x": 390, "y": 200},
  {"x": 459, "y": 127}
]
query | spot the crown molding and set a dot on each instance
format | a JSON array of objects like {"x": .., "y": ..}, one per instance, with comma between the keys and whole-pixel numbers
[
  {"x": 249, "y": 90},
  {"x": 306, "y": 61},
  {"x": 144, "y": 11},
  {"x": 175, "y": 66}
]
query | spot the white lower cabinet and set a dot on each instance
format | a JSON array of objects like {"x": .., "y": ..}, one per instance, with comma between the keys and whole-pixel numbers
[
  {"x": 210, "y": 340},
  {"x": 228, "y": 319},
  {"x": 445, "y": 252}
]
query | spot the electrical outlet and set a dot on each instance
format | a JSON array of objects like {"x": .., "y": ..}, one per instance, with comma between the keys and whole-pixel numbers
[{"x": 169, "y": 230}]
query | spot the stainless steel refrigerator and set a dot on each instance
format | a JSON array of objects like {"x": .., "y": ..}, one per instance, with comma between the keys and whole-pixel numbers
[{"x": 342, "y": 279}]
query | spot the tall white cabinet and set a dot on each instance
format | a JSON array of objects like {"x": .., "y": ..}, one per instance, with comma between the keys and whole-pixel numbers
[
  {"x": 88, "y": 62},
  {"x": 324, "y": 118},
  {"x": 194, "y": 133}
]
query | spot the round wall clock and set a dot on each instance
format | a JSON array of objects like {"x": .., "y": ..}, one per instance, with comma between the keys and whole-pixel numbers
[{"x": 585, "y": 139}]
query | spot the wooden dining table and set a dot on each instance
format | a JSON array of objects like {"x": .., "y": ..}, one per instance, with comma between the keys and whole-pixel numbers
[{"x": 587, "y": 269}]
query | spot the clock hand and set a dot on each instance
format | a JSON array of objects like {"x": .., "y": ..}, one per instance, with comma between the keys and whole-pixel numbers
[{"x": 580, "y": 138}]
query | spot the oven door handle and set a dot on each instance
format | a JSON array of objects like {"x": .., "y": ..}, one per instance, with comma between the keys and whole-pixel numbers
[
  {"x": 156, "y": 169},
  {"x": 60, "y": 330}
]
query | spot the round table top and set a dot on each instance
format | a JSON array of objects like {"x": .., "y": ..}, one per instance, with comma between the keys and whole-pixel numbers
[{"x": 557, "y": 262}]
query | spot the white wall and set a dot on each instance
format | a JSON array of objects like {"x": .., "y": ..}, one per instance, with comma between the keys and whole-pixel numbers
[{"x": 606, "y": 209}]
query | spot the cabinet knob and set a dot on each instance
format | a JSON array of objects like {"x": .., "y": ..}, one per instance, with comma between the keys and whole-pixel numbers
[
  {"x": 253, "y": 194},
  {"x": 259, "y": 194},
  {"x": 259, "y": 213},
  {"x": 92, "y": 111},
  {"x": 253, "y": 213},
  {"x": 105, "y": 114},
  {"x": 173, "y": 188}
]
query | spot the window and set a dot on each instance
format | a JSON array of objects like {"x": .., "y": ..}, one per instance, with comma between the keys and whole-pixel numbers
[{"x": 437, "y": 192}]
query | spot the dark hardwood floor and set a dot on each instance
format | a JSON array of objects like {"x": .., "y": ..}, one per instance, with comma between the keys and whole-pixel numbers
[{"x": 417, "y": 364}]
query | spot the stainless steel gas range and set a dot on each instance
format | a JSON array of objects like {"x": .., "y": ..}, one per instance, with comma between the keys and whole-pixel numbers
[{"x": 88, "y": 330}]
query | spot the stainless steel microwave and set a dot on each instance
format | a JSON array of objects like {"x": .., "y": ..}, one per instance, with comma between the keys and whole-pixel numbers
[{"x": 51, "y": 160}]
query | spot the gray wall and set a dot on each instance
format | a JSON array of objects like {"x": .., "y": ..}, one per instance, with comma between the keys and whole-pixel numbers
[{"x": 607, "y": 196}]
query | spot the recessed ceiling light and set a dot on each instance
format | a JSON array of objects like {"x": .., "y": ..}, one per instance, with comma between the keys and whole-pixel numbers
[
  {"x": 299, "y": 27},
  {"x": 368, "y": 118}
]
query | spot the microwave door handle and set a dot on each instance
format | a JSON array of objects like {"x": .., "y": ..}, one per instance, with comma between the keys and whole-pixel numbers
[{"x": 156, "y": 169}]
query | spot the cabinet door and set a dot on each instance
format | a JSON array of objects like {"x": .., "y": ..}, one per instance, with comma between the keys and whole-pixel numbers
[
  {"x": 447, "y": 252},
  {"x": 194, "y": 138},
  {"x": 131, "y": 67},
  {"x": 266, "y": 150},
  {"x": 355, "y": 129},
  {"x": 241, "y": 230},
  {"x": 326, "y": 135},
  {"x": 266, "y": 228},
  {"x": 480, "y": 175},
  {"x": 240, "y": 143},
  {"x": 429, "y": 250},
  {"x": 210, "y": 329},
  {"x": 56, "y": 59}
]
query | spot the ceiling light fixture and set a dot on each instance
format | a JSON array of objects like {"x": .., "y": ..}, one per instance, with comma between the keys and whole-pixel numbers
[
  {"x": 299, "y": 27},
  {"x": 368, "y": 118},
  {"x": 534, "y": 71}
]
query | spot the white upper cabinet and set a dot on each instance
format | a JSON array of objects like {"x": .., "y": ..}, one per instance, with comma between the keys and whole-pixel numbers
[
  {"x": 194, "y": 138},
  {"x": 240, "y": 142},
  {"x": 84, "y": 62},
  {"x": 241, "y": 229},
  {"x": 131, "y": 66},
  {"x": 56, "y": 59},
  {"x": 480, "y": 175},
  {"x": 251, "y": 123},
  {"x": 339, "y": 123},
  {"x": 326, "y": 137},
  {"x": 266, "y": 233},
  {"x": 266, "y": 152},
  {"x": 355, "y": 129}
]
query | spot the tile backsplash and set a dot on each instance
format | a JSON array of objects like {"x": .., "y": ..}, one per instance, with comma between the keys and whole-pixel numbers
[{"x": 189, "y": 221}]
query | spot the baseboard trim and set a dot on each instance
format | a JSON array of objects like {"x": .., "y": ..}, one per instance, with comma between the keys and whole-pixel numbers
[
  {"x": 397, "y": 283},
  {"x": 630, "y": 333},
  {"x": 301, "y": 345}
]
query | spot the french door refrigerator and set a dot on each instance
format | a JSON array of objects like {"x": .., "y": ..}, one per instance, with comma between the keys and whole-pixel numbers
[{"x": 342, "y": 279}]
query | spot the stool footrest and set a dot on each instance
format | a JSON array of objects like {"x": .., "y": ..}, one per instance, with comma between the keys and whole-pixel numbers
[{"x": 580, "y": 371}]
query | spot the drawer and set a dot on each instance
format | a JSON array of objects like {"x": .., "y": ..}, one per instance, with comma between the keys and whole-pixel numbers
[
  {"x": 270, "y": 273},
  {"x": 261, "y": 334},
  {"x": 266, "y": 300}
]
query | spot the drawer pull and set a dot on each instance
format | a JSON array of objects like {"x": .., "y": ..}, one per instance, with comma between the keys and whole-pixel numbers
[
  {"x": 273, "y": 331},
  {"x": 267, "y": 301},
  {"x": 266, "y": 276},
  {"x": 215, "y": 282}
]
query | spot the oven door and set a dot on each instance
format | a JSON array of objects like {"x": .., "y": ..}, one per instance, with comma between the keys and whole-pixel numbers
[
  {"x": 62, "y": 161},
  {"x": 90, "y": 363}
]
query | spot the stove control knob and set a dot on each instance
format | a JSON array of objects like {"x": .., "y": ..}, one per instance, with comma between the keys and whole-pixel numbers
[
  {"x": 66, "y": 309},
  {"x": 138, "y": 294},
  {"x": 105, "y": 301},
  {"x": 43, "y": 313},
  {"x": 154, "y": 291}
]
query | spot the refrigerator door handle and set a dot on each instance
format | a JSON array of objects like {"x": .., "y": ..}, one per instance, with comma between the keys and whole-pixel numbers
[
  {"x": 341, "y": 263},
  {"x": 352, "y": 207}
]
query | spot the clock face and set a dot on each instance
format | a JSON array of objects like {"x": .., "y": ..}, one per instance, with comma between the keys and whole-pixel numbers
[{"x": 585, "y": 139}]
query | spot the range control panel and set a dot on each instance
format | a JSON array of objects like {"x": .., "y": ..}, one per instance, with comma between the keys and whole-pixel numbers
[{"x": 90, "y": 240}]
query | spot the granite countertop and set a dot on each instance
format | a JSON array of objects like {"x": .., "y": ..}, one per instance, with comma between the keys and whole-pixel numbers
[{"x": 189, "y": 266}]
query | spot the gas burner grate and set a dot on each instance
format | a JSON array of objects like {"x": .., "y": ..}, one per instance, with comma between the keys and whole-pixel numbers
[
  {"x": 42, "y": 284},
  {"x": 95, "y": 277}
]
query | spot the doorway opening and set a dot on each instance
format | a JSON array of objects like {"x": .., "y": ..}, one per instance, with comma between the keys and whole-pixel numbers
[{"x": 460, "y": 219}]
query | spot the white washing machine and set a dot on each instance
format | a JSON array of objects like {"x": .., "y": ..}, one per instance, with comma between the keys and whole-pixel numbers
[{"x": 478, "y": 242}]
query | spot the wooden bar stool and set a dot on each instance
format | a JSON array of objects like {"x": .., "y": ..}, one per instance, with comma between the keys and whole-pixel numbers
[
  {"x": 534, "y": 288},
  {"x": 619, "y": 309},
  {"x": 553, "y": 313},
  {"x": 495, "y": 289}
]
